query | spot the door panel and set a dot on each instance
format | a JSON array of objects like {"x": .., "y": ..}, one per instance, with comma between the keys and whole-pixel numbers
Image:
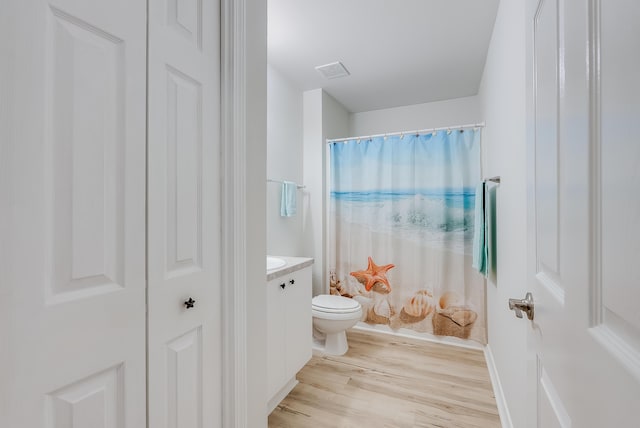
[
  {"x": 184, "y": 174},
  {"x": 548, "y": 327},
  {"x": 550, "y": 406},
  {"x": 85, "y": 149},
  {"x": 184, "y": 385},
  {"x": 184, "y": 214},
  {"x": 583, "y": 171},
  {"x": 93, "y": 402},
  {"x": 185, "y": 17},
  {"x": 546, "y": 133},
  {"x": 73, "y": 272}
]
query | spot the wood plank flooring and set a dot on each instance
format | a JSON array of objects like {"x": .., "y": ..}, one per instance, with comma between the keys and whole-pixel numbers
[{"x": 388, "y": 381}]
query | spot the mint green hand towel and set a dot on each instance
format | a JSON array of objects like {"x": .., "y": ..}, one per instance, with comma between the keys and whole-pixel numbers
[
  {"x": 479, "y": 239},
  {"x": 288, "y": 199},
  {"x": 491, "y": 214}
]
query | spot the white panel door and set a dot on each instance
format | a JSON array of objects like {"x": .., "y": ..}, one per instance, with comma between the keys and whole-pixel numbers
[
  {"x": 72, "y": 288},
  {"x": 184, "y": 214},
  {"x": 584, "y": 210}
]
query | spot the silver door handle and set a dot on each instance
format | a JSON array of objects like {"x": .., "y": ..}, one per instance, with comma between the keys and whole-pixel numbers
[{"x": 522, "y": 305}]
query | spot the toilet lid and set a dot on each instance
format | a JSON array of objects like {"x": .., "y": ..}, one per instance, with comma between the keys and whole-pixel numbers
[{"x": 330, "y": 303}]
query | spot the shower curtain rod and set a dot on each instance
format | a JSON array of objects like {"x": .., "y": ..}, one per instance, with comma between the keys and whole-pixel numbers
[{"x": 402, "y": 133}]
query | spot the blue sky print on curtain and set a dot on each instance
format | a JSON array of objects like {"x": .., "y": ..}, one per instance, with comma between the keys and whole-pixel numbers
[{"x": 401, "y": 228}]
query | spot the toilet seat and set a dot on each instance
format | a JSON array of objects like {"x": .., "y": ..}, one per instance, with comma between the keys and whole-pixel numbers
[
  {"x": 336, "y": 308},
  {"x": 331, "y": 304}
]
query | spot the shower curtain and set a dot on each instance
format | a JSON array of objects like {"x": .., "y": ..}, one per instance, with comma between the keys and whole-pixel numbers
[{"x": 401, "y": 231}]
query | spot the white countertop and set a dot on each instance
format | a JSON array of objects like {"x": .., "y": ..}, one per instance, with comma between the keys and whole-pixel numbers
[{"x": 293, "y": 264}]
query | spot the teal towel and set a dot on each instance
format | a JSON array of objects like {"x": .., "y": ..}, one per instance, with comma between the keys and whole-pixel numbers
[
  {"x": 288, "y": 199},
  {"x": 490, "y": 216},
  {"x": 479, "y": 238}
]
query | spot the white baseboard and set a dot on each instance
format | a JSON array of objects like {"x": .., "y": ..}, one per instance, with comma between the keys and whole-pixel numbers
[
  {"x": 410, "y": 334},
  {"x": 501, "y": 400},
  {"x": 280, "y": 395}
]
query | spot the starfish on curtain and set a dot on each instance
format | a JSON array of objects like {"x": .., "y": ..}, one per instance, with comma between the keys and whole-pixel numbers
[{"x": 373, "y": 274}]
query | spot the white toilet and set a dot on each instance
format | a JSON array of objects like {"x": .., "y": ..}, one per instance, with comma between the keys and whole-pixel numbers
[{"x": 332, "y": 316}]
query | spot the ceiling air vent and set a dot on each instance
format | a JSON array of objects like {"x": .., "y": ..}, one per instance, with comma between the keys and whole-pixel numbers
[{"x": 333, "y": 70}]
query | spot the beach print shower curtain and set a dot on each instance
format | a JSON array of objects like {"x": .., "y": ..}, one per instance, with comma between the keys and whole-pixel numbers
[{"x": 401, "y": 231}]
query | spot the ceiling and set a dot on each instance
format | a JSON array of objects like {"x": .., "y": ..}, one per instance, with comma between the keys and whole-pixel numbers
[{"x": 399, "y": 52}]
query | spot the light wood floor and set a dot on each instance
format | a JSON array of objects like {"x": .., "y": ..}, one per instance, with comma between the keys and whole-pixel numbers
[{"x": 388, "y": 381}]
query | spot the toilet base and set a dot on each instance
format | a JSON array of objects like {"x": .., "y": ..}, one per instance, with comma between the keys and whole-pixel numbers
[{"x": 331, "y": 344}]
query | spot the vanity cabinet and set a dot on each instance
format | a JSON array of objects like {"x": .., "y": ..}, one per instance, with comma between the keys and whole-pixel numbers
[{"x": 289, "y": 338}]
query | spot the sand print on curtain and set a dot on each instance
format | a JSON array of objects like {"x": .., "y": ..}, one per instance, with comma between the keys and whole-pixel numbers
[{"x": 401, "y": 231}]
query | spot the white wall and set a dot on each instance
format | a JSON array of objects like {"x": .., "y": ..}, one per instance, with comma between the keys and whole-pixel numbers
[
  {"x": 284, "y": 162},
  {"x": 324, "y": 118},
  {"x": 312, "y": 173},
  {"x": 503, "y": 99},
  {"x": 335, "y": 124},
  {"x": 459, "y": 111}
]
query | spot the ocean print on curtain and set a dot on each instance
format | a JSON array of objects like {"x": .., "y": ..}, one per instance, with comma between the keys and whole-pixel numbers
[{"x": 401, "y": 231}]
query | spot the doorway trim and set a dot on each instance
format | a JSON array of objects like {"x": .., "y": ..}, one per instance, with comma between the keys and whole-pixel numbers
[{"x": 233, "y": 177}]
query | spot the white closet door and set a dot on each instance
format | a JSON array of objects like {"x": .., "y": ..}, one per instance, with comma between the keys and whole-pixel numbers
[
  {"x": 184, "y": 214},
  {"x": 72, "y": 234}
]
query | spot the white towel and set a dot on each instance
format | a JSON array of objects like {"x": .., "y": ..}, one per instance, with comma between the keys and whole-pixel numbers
[{"x": 288, "y": 199}]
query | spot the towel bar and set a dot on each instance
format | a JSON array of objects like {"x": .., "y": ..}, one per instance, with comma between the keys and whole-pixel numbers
[{"x": 299, "y": 186}]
